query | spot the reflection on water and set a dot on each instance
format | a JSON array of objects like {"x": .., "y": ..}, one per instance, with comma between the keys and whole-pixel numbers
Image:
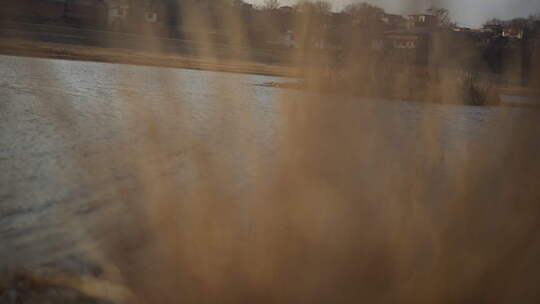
[{"x": 56, "y": 114}]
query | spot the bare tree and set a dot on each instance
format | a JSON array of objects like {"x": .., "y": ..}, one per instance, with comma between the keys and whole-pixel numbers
[
  {"x": 363, "y": 13},
  {"x": 362, "y": 9},
  {"x": 271, "y": 4},
  {"x": 319, "y": 7},
  {"x": 442, "y": 14},
  {"x": 323, "y": 7},
  {"x": 494, "y": 21}
]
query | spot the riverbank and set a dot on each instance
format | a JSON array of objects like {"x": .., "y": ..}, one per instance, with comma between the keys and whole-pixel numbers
[
  {"x": 53, "y": 50},
  {"x": 57, "y": 42},
  {"x": 459, "y": 92}
]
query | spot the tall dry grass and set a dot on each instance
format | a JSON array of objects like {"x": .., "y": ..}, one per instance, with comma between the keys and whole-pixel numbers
[
  {"x": 352, "y": 211},
  {"x": 349, "y": 214}
]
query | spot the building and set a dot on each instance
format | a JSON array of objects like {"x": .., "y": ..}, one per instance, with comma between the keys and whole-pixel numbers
[
  {"x": 422, "y": 21},
  {"x": 117, "y": 14},
  {"x": 407, "y": 46},
  {"x": 495, "y": 29},
  {"x": 409, "y": 40},
  {"x": 393, "y": 21},
  {"x": 136, "y": 15},
  {"x": 147, "y": 12},
  {"x": 513, "y": 32},
  {"x": 287, "y": 39}
]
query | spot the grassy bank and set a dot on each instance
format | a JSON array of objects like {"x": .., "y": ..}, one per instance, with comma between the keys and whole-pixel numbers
[
  {"x": 415, "y": 84},
  {"x": 20, "y": 47}
]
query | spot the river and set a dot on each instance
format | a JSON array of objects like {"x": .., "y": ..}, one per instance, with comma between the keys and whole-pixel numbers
[
  {"x": 59, "y": 116},
  {"x": 73, "y": 133}
]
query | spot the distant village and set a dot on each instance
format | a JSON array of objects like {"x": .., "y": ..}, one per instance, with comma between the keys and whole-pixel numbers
[{"x": 359, "y": 28}]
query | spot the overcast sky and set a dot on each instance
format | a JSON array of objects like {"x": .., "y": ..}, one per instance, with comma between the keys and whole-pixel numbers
[{"x": 465, "y": 12}]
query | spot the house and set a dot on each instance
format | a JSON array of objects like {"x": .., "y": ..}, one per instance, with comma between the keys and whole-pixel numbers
[
  {"x": 117, "y": 14},
  {"x": 136, "y": 15},
  {"x": 246, "y": 6},
  {"x": 150, "y": 12},
  {"x": 150, "y": 17},
  {"x": 513, "y": 32},
  {"x": 392, "y": 21},
  {"x": 407, "y": 46},
  {"x": 286, "y": 9},
  {"x": 288, "y": 39},
  {"x": 495, "y": 29},
  {"x": 422, "y": 21}
]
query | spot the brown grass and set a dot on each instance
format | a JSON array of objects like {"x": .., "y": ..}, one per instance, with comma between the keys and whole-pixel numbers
[{"x": 353, "y": 210}]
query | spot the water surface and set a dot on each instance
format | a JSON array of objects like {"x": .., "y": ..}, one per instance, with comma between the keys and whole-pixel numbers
[{"x": 73, "y": 133}]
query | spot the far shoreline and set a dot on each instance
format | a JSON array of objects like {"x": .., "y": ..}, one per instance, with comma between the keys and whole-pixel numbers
[
  {"x": 66, "y": 51},
  {"x": 53, "y": 50}
]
